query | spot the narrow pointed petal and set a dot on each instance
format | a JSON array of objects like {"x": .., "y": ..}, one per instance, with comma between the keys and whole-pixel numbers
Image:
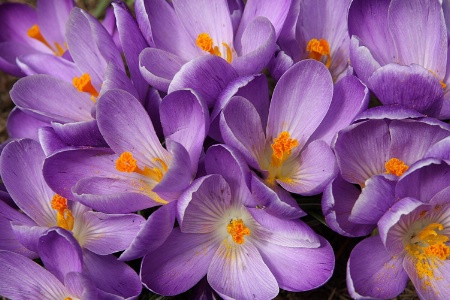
[
  {"x": 153, "y": 233},
  {"x": 60, "y": 252},
  {"x": 178, "y": 264},
  {"x": 106, "y": 233},
  {"x": 21, "y": 169},
  {"x": 52, "y": 18},
  {"x": 208, "y": 75},
  {"x": 292, "y": 108},
  {"x": 158, "y": 67},
  {"x": 374, "y": 272},
  {"x": 240, "y": 273},
  {"x": 111, "y": 275},
  {"x": 313, "y": 171},
  {"x": 35, "y": 281},
  {"x": 289, "y": 265},
  {"x": 419, "y": 33}
]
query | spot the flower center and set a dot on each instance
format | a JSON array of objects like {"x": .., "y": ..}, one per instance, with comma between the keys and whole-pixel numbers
[
  {"x": 64, "y": 218},
  {"x": 282, "y": 147},
  {"x": 205, "y": 42},
  {"x": 35, "y": 33},
  {"x": 128, "y": 164},
  {"x": 84, "y": 84},
  {"x": 317, "y": 49},
  {"x": 429, "y": 249},
  {"x": 395, "y": 167},
  {"x": 237, "y": 230}
]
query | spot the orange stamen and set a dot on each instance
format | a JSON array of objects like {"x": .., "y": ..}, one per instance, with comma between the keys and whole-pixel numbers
[
  {"x": 281, "y": 147},
  {"x": 84, "y": 84},
  {"x": 127, "y": 163},
  {"x": 205, "y": 42},
  {"x": 395, "y": 167},
  {"x": 35, "y": 33},
  {"x": 317, "y": 49},
  {"x": 64, "y": 218},
  {"x": 237, "y": 230}
]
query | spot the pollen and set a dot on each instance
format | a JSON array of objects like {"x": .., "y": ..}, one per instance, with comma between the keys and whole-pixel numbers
[
  {"x": 281, "y": 148},
  {"x": 395, "y": 167},
  {"x": 34, "y": 32},
  {"x": 238, "y": 230},
  {"x": 126, "y": 163},
  {"x": 84, "y": 84},
  {"x": 317, "y": 49},
  {"x": 204, "y": 42},
  {"x": 428, "y": 249},
  {"x": 64, "y": 217}
]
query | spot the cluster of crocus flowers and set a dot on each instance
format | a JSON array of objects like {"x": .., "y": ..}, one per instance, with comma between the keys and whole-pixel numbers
[{"x": 152, "y": 150}]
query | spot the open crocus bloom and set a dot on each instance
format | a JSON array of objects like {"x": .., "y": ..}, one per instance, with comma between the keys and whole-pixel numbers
[
  {"x": 177, "y": 34},
  {"x": 374, "y": 154},
  {"x": 413, "y": 241},
  {"x": 399, "y": 49},
  {"x": 318, "y": 30},
  {"x": 97, "y": 234}
]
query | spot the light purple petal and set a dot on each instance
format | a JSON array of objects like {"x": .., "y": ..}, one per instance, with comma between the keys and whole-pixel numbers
[
  {"x": 178, "y": 264},
  {"x": 313, "y": 171},
  {"x": 440, "y": 150},
  {"x": 116, "y": 78},
  {"x": 60, "y": 252},
  {"x": 50, "y": 141},
  {"x": 300, "y": 101},
  {"x": 258, "y": 47},
  {"x": 21, "y": 168},
  {"x": 338, "y": 200},
  {"x": 158, "y": 67},
  {"x": 299, "y": 269},
  {"x": 208, "y": 75},
  {"x": 153, "y": 233},
  {"x": 375, "y": 199},
  {"x": 393, "y": 112},
  {"x": 111, "y": 275},
  {"x": 362, "y": 61},
  {"x": 52, "y": 18},
  {"x": 239, "y": 272},
  {"x": 106, "y": 233},
  {"x": 9, "y": 51},
  {"x": 419, "y": 33},
  {"x": 52, "y": 99},
  {"x": 35, "y": 281},
  {"x": 22, "y": 125},
  {"x": 8, "y": 239},
  {"x": 84, "y": 133},
  {"x": 350, "y": 98},
  {"x": 374, "y": 272},
  {"x": 410, "y": 86},
  {"x": 279, "y": 64},
  {"x": 43, "y": 63},
  {"x": 28, "y": 235}
]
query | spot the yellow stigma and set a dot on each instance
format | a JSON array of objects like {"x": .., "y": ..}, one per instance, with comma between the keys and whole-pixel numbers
[
  {"x": 205, "y": 42},
  {"x": 127, "y": 163},
  {"x": 64, "y": 218},
  {"x": 428, "y": 249},
  {"x": 395, "y": 167},
  {"x": 84, "y": 84},
  {"x": 281, "y": 148},
  {"x": 237, "y": 230},
  {"x": 34, "y": 32},
  {"x": 317, "y": 49}
]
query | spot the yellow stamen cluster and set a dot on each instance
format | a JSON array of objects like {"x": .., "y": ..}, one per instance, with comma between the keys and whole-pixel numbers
[
  {"x": 281, "y": 148},
  {"x": 64, "y": 218},
  {"x": 205, "y": 42},
  {"x": 317, "y": 49},
  {"x": 428, "y": 249},
  {"x": 34, "y": 32},
  {"x": 395, "y": 167},
  {"x": 237, "y": 230},
  {"x": 84, "y": 84},
  {"x": 127, "y": 163}
]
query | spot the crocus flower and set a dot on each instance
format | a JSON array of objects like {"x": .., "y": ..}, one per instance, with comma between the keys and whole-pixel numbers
[
  {"x": 288, "y": 155},
  {"x": 317, "y": 30},
  {"x": 374, "y": 154},
  {"x": 177, "y": 35},
  {"x": 399, "y": 49},
  {"x": 137, "y": 172},
  {"x": 413, "y": 240},
  {"x": 38, "y": 34},
  {"x": 244, "y": 252},
  {"x": 98, "y": 234}
]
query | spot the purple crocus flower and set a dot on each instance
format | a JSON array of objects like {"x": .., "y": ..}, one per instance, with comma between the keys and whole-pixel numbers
[
  {"x": 413, "y": 240},
  {"x": 374, "y": 154},
  {"x": 176, "y": 35},
  {"x": 37, "y": 34},
  {"x": 293, "y": 153},
  {"x": 244, "y": 252},
  {"x": 317, "y": 30},
  {"x": 399, "y": 49},
  {"x": 98, "y": 234}
]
